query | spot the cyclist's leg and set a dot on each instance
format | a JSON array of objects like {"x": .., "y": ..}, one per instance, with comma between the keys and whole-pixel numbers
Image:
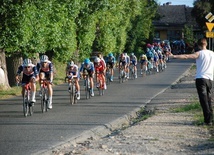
[
  {"x": 77, "y": 88},
  {"x": 50, "y": 90},
  {"x": 91, "y": 83},
  {"x": 127, "y": 70},
  {"x": 33, "y": 89},
  {"x": 104, "y": 80},
  {"x": 25, "y": 80}
]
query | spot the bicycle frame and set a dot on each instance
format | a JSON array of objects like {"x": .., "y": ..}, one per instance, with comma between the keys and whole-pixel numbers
[
  {"x": 122, "y": 75},
  {"x": 44, "y": 95},
  {"x": 100, "y": 81},
  {"x": 108, "y": 75},
  {"x": 73, "y": 92},
  {"x": 87, "y": 85},
  {"x": 27, "y": 106},
  {"x": 132, "y": 70}
]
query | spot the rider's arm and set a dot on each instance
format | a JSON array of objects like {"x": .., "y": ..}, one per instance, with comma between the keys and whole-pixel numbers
[
  {"x": 20, "y": 69},
  {"x": 36, "y": 73}
]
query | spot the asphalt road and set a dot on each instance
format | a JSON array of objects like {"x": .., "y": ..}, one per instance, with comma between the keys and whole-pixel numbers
[{"x": 42, "y": 131}]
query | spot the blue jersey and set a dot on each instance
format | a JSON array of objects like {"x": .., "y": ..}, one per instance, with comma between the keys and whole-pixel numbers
[{"x": 89, "y": 67}]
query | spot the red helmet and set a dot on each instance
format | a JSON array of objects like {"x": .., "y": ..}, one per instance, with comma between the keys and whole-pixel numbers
[{"x": 148, "y": 45}]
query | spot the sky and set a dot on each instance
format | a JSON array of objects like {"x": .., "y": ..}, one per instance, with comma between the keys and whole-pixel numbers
[{"x": 177, "y": 2}]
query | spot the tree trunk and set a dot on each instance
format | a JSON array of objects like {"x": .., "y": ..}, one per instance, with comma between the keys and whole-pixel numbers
[
  {"x": 13, "y": 63},
  {"x": 3, "y": 71}
]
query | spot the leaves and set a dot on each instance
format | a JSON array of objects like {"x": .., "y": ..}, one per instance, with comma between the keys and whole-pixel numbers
[{"x": 67, "y": 26}]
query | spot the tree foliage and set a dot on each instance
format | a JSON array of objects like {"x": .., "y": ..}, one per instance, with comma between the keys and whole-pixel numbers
[
  {"x": 73, "y": 27},
  {"x": 200, "y": 10}
]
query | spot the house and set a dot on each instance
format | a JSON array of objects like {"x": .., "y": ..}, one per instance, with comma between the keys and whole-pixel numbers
[{"x": 172, "y": 20}]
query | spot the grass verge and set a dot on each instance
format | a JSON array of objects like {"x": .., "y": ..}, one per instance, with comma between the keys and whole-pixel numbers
[{"x": 195, "y": 108}]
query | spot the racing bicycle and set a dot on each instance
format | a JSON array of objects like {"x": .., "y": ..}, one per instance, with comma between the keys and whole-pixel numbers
[
  {"x": 44, "y": 95},
  {"x": 27, "y": 104},
  {"x": 108, "y": 75},
  {"x": 72, "y": 90},
  {"x": 100, "y": 83},
  {"x": 122, "y": 75},
  {"x": 87, "y": 84},
  {"x": 132, "y": 71}
]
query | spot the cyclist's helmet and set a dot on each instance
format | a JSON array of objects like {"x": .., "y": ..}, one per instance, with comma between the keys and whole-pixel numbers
[
  {"x": 71, "y": 64},
  {"x": 132, "y": 54},
  {"x": 97, "y": 60},
  {"x": 44, "y": 58},
  {"x": 148, "y": 45},
  {"x": 27, "y": 62},
  {"x": 110, "y": 55},
  {"x": 86, "y": 61}
]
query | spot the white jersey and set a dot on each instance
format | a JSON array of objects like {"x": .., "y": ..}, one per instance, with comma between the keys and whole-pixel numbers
[{"x": 205, "y": 65}]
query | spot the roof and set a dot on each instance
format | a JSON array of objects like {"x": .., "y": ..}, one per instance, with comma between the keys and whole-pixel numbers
[{"x": 172, "y": 14}]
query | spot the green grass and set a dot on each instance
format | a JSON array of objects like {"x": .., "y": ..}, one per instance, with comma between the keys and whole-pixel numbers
[{"x": 195, "y": 108}]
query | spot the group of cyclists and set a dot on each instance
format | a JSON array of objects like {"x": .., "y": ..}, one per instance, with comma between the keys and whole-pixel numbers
[
  {"x": 33, "y": 73},
  {"x": 155, "y": 57}
]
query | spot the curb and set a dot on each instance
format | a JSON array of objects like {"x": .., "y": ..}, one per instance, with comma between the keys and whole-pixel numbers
[{"x": 101, "y": 131}]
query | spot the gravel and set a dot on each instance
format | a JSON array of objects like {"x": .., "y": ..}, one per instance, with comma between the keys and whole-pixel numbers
[{"x": 164, "y": 133}]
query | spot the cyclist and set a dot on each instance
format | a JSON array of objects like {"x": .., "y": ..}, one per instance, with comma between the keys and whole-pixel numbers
[
  {"x": 128, "y": 64},
  {"x": 143, "y": 63},
  {"x": 45, "y": 68},
  {"x": 73, "y": 72},
  {"x": 30, "y": 75},
  {"x": 150, "y": 56},
  {"x": 111, "y": 61},
  {"x": 133, "y": 61},
  {"x": 100, "y": 69},
  {"x": 123, "y": 63},
  {"x": 88, "y": 66}
]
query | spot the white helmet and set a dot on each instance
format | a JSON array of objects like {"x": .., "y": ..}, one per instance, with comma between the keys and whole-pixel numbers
[
  {"x": 44, "y": 58},
  {"x": 96, "y": 60},
  {"x": 70, "y": 64},
  {"x": 27, "y": 62}
]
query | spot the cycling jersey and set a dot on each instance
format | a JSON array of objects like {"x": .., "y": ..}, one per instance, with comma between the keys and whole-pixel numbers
[
  {"x": 99, "y": 68},
  {"x": 74, "y": 71},
  {"x": 143, "y": 59},
  {"x": 45, "y": 68},
  {"x": 123, "y": 61},
  {"x": 89, "y": 68},
  {"x": 133, "y": 60},
  {"x": 110, "y": 61},
  {"x": 28, "y": 73}
]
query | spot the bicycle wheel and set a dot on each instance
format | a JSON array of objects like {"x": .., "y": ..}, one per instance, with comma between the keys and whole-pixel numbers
[
  {"x": 72, "y": 94},
  {"x": 30, "y": 109},
  {"x": 43, "y": 100},
  {"x": 46, "y": 100},
  {"x": 107, "y": 78},
  {"x": 25, "y": 103},
  {"x": 87, "y": 88}
]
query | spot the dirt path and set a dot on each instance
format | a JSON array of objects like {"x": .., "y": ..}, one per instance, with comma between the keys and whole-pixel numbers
[{"x": 165, "y": 133}]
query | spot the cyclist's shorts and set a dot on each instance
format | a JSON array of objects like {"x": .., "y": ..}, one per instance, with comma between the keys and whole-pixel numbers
[
  {"x": 27, "y": 78},
  {"x": 111, "y": 65},
  {"x": 134, "y": 62},
  {"x": 47, "y": 75},
  {"x": 160, "y": 56},
  {"x": 90, "y": 72},
  {"x": 143, "y": 61},
  {"x": 155, "y": 59}
]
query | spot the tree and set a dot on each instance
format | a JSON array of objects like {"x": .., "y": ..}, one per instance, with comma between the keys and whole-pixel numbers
[{"x": 200, "y": 10}]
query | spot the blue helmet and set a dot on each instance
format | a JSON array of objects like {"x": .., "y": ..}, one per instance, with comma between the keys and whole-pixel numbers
[
  {"x": 86, "y": 61},
  {"x": 110, "y": 55}
]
